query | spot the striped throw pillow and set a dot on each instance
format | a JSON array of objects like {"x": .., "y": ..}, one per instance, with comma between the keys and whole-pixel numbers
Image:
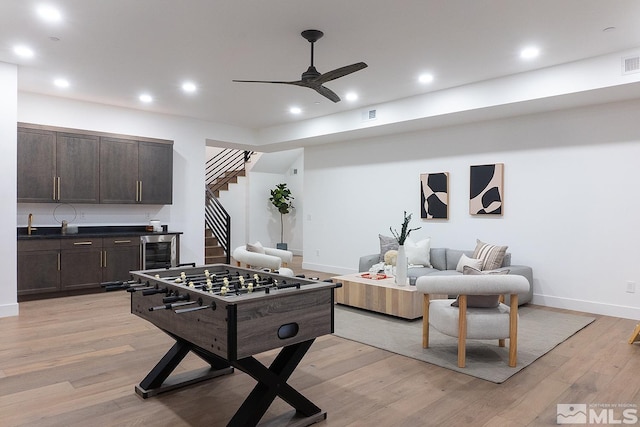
[{"x": 491, "y": 255}]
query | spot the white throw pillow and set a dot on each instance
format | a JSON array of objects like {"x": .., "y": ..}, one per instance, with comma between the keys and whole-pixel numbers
[
  {"x": 471, "y": 262},
  {"x": 418, "y": 253}
]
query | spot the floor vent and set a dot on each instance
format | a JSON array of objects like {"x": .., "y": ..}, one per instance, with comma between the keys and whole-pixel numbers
[{"x": 631, "y": 64}]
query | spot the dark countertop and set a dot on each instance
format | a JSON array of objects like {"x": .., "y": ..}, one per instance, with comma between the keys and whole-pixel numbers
[{"x": 90, "y": 231}]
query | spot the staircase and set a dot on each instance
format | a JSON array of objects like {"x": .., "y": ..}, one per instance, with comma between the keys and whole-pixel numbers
[{"x": 223, "y": 169}]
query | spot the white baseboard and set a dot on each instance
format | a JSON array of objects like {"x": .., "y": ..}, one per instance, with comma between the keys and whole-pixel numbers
[
  {"x": 625, "y": 312},
  {"x": 328, "y": 268},
  {"x": 9, "y": 310}
]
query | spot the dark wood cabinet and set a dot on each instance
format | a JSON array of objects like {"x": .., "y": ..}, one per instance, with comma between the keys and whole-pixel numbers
[
  {"x": 36, "y": 152},
  {"x": 118, "y": 171},
  {"x": 74, "y": 166},
  {"x": 38, "y": 267},
  {"x": 120, "y": 256},
  {"x": 135, "y": 172},
  {"x": 77, "y": 168},
  {"x": 56, "y": 266},
  {"x": 57, "y": 167},
  {"x": 155, "y": 172},
  {"x": 80, "y": 263}
]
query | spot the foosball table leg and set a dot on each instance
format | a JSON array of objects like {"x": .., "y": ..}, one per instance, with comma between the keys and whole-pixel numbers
[
  {"x": 272, "y": 382},
  {"x": 158, "y": 381}
]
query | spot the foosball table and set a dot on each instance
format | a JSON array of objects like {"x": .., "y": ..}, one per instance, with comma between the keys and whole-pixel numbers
[{"x": 226, "y": 315}]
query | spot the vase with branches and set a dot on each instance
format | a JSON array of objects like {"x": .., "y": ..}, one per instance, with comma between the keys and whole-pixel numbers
[
  {"x": 401, "y": 237},
  {"x": 281, "y": 199}
]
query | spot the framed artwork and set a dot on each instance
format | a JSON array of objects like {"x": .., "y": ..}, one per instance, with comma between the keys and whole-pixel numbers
[
  {"x": 434, "y": 195},
  {"x": 486, "y": 195}
]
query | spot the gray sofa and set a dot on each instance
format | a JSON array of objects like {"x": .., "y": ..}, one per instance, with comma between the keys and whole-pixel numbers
[{"x": 444, "y": 262}]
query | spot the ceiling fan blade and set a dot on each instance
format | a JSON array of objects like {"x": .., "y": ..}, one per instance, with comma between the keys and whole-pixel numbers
[
  {"x": 327, "y": 93},
  {"x": 340, "y": 72},
  {"x": 265, "y": 81}
]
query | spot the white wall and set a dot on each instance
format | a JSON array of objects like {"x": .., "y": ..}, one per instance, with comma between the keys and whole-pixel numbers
[
  {"x": 249, "y": 206},
  {"x": 571, "y": 200},
  {"x": 8, "y": 171}
]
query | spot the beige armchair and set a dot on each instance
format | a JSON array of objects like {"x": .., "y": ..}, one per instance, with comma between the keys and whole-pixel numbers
[
  {"x": 270, "y": 258},
  {"x": 484, "y": 323}
]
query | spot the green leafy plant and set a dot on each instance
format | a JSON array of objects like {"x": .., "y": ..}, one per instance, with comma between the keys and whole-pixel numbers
[
  {"x": 405, "y": 231},
  {"x": 281, "y": 198}
]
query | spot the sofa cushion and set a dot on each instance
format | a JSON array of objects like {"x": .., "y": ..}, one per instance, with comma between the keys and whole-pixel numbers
[
  {"x": 465, "y": 261},
  {"x": 480, "y": 301},
  {"x": 255, "y": 247},
  {"x": 418, "y": 253},
  {"x": 491, "y": 255},
  {"x": 438, "y": 258},
  {"x": 387, "y": 244},
  {"x": 453, "y": 256},
  {"x": 421, "y": 271}
]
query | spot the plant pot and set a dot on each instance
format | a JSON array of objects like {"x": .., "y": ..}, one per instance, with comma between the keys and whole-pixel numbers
[{"x": 282, "y": 246}]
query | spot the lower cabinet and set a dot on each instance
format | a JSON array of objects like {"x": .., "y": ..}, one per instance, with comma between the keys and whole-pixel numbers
[{"x": 59, "y": 265}]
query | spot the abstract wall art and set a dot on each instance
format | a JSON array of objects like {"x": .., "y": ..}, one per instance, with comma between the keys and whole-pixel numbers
[
  {"x": 434, "y": 195},
  {"x": 486, "y": 195}
]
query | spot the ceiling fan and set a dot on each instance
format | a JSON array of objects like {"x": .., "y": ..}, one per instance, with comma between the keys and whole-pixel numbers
[{"x": 312, "y": 77}]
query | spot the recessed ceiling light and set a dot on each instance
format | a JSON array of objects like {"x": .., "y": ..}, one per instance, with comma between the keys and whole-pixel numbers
[
  {"x": 61, "y": 83},
  {"x": 529, "y": 52},
  {"x": 49, "y": 13},
  {"x": 608, "y": 29},
  {"x": 425, "y": 78},
  {"x": 146, "y": 98},
  {"x": 23, "y": 51},
  {"x": 351, "y": 96},
  {"x": 189, "y": 87},
  {"x": 295, "y": 110}
]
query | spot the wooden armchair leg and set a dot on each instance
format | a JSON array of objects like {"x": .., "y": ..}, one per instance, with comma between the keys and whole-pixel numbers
[
  {"x": 425, "y": 321},
  {"x": 513, "y": 331},
  {"x": 462, "y": 330}
]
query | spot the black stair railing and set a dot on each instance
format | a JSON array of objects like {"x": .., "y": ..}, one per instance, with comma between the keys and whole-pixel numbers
[
  {"x": 218, "y": 220},
  {"x": 222, "y": 169}
]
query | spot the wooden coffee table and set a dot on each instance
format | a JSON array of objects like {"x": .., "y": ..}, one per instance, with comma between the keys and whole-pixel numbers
[{"x": 381, "y": 296}]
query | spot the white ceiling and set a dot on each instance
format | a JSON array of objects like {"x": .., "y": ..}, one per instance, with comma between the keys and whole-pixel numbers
[{"x": 111, "y": 51}]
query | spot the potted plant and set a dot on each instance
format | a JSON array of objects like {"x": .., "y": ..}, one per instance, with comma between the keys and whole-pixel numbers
[
  {"x": 401, "y": 261},
  {"x": 281, "y": 198}
]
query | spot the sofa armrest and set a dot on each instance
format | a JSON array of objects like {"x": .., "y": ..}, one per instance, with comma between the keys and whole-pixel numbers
[
  {"x": 367, "y": 261},
  {"x": 257, "y": 260},
  {"x": 285, "y": 256}
]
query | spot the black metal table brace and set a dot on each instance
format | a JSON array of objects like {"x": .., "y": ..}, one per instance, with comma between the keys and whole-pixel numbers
[{"x": 272, "y": 382}]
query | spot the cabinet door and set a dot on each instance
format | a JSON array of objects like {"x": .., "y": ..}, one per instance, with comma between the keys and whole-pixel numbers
[
  {"x": 155, "y": 172},
  {"x": 38, "y": 267},
  {"x": 80, "y": 263},
  {"x": 77, "y": 168},
  {"x": 120, "y": 256},
  {"x": 36, "y": 152},
  {"x": 118, "y": 171}
]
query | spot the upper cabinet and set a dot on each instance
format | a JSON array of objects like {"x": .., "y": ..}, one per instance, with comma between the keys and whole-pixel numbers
[
  {"x": 57, "y": 167},
  {"x": 135, "y": 172},
  {"x": 63, "y": 165}
]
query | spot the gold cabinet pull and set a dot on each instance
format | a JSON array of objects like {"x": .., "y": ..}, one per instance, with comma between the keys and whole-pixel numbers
[
  {"x": 58, "y": 261},
  {"x": 82, "y": 243},
  {"x": 54, "y": 187},
  {"x": 121, "y": 241}
]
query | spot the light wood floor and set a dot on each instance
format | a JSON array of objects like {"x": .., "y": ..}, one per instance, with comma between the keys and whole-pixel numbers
[{"x": 74, "y": 361}]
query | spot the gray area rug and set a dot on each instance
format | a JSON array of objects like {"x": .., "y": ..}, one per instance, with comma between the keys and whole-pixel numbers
[{"x": 539, "y": 331}]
